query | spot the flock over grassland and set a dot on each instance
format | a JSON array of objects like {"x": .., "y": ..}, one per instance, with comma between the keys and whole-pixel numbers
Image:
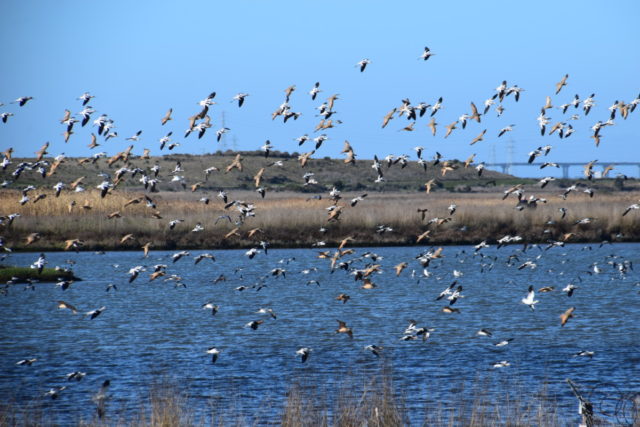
[{"x": 125, "y": 192}]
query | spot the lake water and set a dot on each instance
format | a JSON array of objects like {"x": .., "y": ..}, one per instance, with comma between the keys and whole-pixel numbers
[{"x": 155, "y": 330}]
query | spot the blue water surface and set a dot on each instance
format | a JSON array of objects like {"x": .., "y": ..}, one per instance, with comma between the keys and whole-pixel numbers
[{"x": 157, "y": 332}]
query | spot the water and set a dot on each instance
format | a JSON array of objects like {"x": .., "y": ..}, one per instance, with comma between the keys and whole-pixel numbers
[{"x": 152, "y": 331}]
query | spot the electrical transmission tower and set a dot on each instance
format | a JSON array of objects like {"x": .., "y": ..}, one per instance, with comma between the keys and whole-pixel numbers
[{"x": 222, "y": 145}]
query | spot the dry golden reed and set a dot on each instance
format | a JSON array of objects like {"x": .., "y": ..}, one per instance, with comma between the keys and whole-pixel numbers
[{"x": 295, "y": 219}]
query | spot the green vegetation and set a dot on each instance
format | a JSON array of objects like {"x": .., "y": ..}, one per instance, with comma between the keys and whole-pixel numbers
[{"x": 24, "y": 274}]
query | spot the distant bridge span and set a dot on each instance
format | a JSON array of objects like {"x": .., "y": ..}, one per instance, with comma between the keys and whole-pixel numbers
[{"x": 506, "y": 167}]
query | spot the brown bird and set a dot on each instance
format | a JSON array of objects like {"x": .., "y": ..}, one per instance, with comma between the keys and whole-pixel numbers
[
  {"x": 588, "y": 169},
  {"x": 448, "y": 309},
  {"x": 94, "y": 141},
  {"x": 7, "y": 153},
  {"x": 72, "y": 243},
  {"x": 368, "y": 284},
  {"x": 437, "y": 253},
  {"x": 343, "y": 329},
  {"x": 343, "y": 297},
  {"x": 347, "y": 147},
  {"x": 547, "y": 104},
  {"x": 236, "y": 163},
  {"x": 42, "y": 152},
  {"x": 331, "y": 100},
  {"x": 195, "y": 186},
  {"x": 253, "y": 232},
  {"x": 344, "y": 242},
  {"x": 146, "y": 154},
  {"x": 450, "y": 128},
  {"x": 67, "y": 116},
  {"x": 324, "y": 124},
  {"x": 546, "y": 289},
  {"x": 65, "y": 305},
  {"x": 474, "y": 113},
  {"x": 409, "y": 127},
  {"x": 126, "y": 238},
  {"x": 387, "y": 118},
  {"x": 67, "y": 134},
  {"x": 133, "y": 201},
  {"x": 115, "y": 214},
  {"x": 32, "y": 238},
  {"x": 155, "y": 275},
  {"x": 351, "y": 158},
  {"x": 469, "y": 160},
  {"x": 596, "y": 138},
  {"x": 423, "y": 236},
  {"x": 607, "y": 170},
  {"x": 54, "y": 166},
  {"x": 75, "y": 183},
  {"x": 231, "y": 233},
  {"x": 288, "y": 91},
  {"x": 423, "y": 213},
  {"x": 334, "y": 215},
  {"x": 258, "y": 177},
  {"x": 370, "y": 270},
  {"x": 39, "y": 197},
  {"x": 400, "y": 267},
  {"x": 166, "y": 117},
  {"x": 478, "y": 138},
  {"x": 428, "y": 185},
  {"x": 447, "y": 167},
  {"x": 304, "y": 158},
  {"x": 561, "y": 83},
  {"x": 564, "y": 317},
  {"x": 145, "y": 249},
  {"x": 567, "y": 236},
  {"x": 432, "y": 125},
  {"x": 87, "y": 206}
]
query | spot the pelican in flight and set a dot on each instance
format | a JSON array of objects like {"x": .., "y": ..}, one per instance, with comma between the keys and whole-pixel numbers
[
  {"x": 530, "y": 298},
  {"x": 304, "y": 353}
]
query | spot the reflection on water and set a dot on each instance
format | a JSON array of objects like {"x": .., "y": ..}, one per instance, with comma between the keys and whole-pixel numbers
[{"x": 154, "y": 330}]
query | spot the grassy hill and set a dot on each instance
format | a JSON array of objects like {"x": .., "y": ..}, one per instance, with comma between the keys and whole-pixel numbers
[{"x": 328, "y": 172}]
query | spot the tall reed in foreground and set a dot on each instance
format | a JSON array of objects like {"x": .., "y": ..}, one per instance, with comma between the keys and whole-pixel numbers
[{"x": 354, "y": 401}]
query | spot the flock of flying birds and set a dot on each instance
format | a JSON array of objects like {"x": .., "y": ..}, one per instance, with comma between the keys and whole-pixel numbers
[{"x": 362, "y": 268}]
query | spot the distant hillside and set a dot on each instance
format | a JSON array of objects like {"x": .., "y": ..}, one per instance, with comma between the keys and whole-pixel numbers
[{"x": 327, "y": 172}]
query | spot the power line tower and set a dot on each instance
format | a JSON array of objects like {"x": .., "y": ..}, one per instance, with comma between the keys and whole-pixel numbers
[
  {"x": 222, "y": 145},
  {"x": 493, "y": 153},
  {"x": 510, "y": 150}
]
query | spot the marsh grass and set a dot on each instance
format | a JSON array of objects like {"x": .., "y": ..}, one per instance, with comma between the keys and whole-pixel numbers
[
  {"x": 294, "y": 219},
  {"x": 354, "y": 401}
]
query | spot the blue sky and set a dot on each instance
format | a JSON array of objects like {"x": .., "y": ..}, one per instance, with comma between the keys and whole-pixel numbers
[{"x": 141, "y": 58}]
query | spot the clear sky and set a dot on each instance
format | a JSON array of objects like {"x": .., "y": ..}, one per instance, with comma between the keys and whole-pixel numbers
[{"x": 141, "y": 58}]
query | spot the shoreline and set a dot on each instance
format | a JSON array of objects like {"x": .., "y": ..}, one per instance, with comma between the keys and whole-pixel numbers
[{"x": 330, "y": 246}]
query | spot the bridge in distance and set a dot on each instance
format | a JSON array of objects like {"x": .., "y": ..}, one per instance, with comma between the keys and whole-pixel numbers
[{"x": 598, "y": 167}]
